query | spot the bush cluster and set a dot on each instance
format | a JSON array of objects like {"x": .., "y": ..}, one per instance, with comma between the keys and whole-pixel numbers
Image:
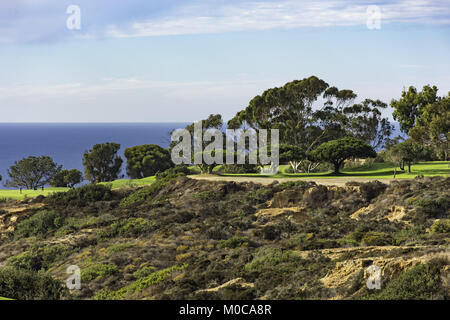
[
  {"x": 24, "y": 284},
  {"x": 40, "y": 257},
  {"x": 98, "y": 271},
  {"x": 418, "y": 283},
  {"x": 82, "y": 195},
  {"x": 131, "y": 227},
  {"x": 372, "y": 189},
  {"x": 39, "y": 223}
]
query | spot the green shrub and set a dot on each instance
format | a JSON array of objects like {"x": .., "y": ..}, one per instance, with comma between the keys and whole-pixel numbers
[
  {"x": 23, "y": 284},
  {"x": 145, "y": 193},
  {"x": 440, "y": 226},
  {"x": 84, "y": 194},
  {"x": 144, "y": 272},
  {"x": 239, "y": 168},
  {"x": 413, "y": 233},
  {"x": 131, "y": 227},
  {"x": 233, "y": 242},
  {"x": 139, "y": 285},
  {"x": 298, "y": 239},
  {"x": 208, "y": 195},
  {"x": 259, "y": 195},
  {"x": 374, "y": 238},
  {"x": 271, "y": 257},
  {"x": 174, "y": 172},
  {"x": 372, "y": 189},
  {"x": 40, "y": 223},
  {"x": 118, "y": 247},
  {"x": 434, "y": 207},
  {"x": 98, "y": 271},
  {"x": 40, "y": 257},
  {"x": 417, "y": 283}
]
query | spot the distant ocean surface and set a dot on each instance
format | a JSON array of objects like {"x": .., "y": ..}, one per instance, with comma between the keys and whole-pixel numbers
[{"x": 66, "y": 142}]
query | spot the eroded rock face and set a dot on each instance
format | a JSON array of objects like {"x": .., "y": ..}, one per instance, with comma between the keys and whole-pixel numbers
[
  {"x": 13, "y": 213},
  {"x": 363, "y": 212},
  {"x": 352, "y": 273},
  {"x": 397, "y": 213},
  {"x": 286, "y": 198},
  {"x": 372, "y": 211},
  {"x": 295, "y": 214},
  {"x": 238, "y": 282}
]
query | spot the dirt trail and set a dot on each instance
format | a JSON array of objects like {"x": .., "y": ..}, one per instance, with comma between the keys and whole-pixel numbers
[{"x": 265, "y": 181}]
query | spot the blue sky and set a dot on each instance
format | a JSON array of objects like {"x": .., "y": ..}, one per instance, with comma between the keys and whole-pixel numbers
[{"x": 168, "y": 61}]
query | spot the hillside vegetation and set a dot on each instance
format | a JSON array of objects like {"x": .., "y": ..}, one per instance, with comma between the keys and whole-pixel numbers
[{"x": 181, "y": 238}]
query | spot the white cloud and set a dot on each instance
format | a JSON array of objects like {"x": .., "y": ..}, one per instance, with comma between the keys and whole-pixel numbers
[
  {"x": 25, "y": 21},
  {"x": 248, "y": 16},
  {"x": 126, "y": 99}
]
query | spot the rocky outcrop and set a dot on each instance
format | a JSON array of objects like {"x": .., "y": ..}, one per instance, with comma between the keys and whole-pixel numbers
[
  {"x": 351, "y": 273},
  {"x": 12, "y": 214},
  {"x": 238, "y": 282}
]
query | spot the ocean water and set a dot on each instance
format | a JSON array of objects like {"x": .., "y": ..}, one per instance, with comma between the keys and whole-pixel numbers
[{"x": 66, "y": 142}]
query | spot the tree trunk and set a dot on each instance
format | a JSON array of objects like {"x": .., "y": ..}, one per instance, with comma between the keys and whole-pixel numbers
[
  {"x": 336, "y": 167},
  {"x": 294, "y": 165},
  {"x": 409, "y": 166}
]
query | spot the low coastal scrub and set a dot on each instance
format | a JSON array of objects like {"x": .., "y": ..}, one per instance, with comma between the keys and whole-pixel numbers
[
  {"x": 191, "y": 239},
  {"x": 154, "y": 278},
  {"x": 418, "y": 283},
  {"x": 98, "y": 271},
  {"x": 23, "y": 284}
]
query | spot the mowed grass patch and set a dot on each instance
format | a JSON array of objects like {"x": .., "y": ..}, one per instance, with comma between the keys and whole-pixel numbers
[
  {"x": 17, "y": 195},
  {"x": 124, "y": 183},
  {"x": 372, "y": 171},
  {"x": 116, "y": 184}
]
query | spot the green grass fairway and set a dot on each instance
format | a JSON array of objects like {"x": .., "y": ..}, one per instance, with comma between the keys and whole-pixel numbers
[
  {"x": 386, "y": 170},
  {"x": 16, "y": 195},
  {"x": 2, "y": 298},
  {"x": 374, "y": 171},
  {"x": 130, "y": 182}
]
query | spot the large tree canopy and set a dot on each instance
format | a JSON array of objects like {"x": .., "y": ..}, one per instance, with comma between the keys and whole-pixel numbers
[
  {"x": 213, "y": 123},
  {"x": 337, "y": 151},
  {"x": 32, "y": 172},
  {"x": 407, "y": 151},
  {"x": 365, "y": 122},
  {"x": 102, "y": 163},
  {"x": 411, "y": 104},
  {"x": 146, "y": 160},
  {"x": 425, "y": 117},
  {"x": 288, "y": 108},
  {"x": 67, "y": 178},
  {"x": 433, "y": 127},
  {"x": 302, "y": 124}
]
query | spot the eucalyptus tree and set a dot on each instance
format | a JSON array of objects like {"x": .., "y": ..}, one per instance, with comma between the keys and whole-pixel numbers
[
  {"x": 365, "y": 122},
  {"x": 102, "y": 163},
  {"x": 32, "y": 172},
  {"x": 425, "y": 117}
]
